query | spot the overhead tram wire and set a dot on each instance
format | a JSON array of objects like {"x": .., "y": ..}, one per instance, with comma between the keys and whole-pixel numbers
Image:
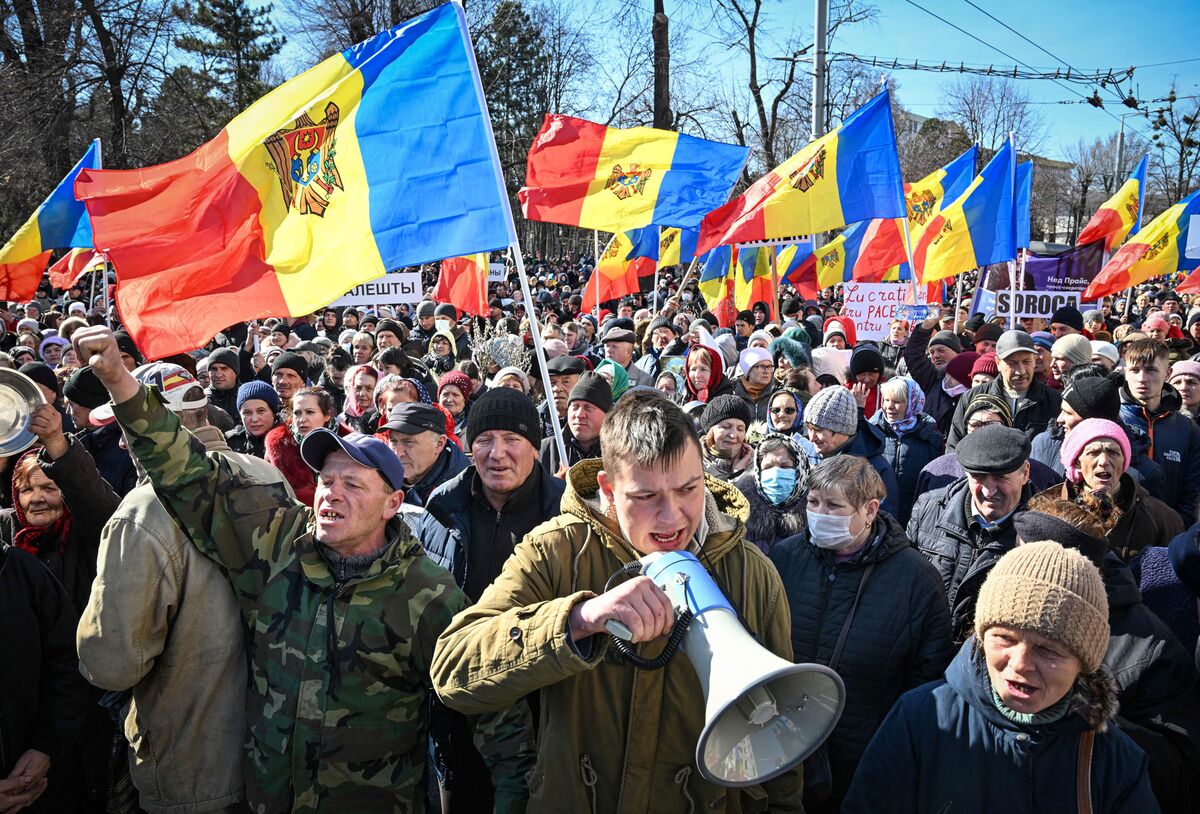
[{"x": 1001, "y": 51}]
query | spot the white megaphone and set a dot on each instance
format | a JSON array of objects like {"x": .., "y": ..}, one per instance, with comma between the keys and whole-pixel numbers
[{"x": 763, "y": 715}]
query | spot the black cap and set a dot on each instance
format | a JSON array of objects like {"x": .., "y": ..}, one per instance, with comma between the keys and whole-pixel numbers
[
  {"x": 725, "y": 407},
  {"x": 292, "y": 361},
  {"x": 503, "y": 408},
  {"x": 225, "y": 356},
  {"x": 413, "y": 417},
  {"x": 445, "y": 309},
  {"x": 42, "y": 374},
  {"x": 1068, "y": 315},
  {"x": 988, "y": 332},
  {"x": 1094, "y": 397},
  {"x": 84, "y": 388},
  {"x": 662, "y": 322},
  {"x": 947, "y": 338},
  {"x": 566, "y": 366},
  {"x": 993, "y": 450},
  {"x": 594, "y": 389},
  {"x": 390, "y": 325},
  {"x": 866, "y": 359}
]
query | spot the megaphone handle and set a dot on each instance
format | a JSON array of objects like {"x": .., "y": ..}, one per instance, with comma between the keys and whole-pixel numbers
[
  {"x": 619, "y": 630},
  {"x": 683, "y": 618}
]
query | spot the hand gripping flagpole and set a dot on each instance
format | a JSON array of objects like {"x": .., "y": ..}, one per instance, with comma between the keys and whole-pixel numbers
[{"x": 515, "y": 246}]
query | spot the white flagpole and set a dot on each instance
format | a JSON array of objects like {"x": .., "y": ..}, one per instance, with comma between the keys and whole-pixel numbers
[
  {"x": 531, "y": 306},
  {"x": 657, "y": 261},
  {"x": 957, "y": 302},
  {"x": 596, "y": 268}
]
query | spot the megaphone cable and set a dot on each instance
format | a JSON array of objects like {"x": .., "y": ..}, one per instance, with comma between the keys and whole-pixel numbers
[{"x": 682, "y": 619}]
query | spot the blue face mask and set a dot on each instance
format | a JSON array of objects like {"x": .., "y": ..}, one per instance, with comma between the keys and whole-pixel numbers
[{"x": 777, "y": 483}]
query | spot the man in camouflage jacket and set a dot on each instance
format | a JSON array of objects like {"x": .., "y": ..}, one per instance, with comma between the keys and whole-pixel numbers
[{"x": 342, "y": 611}]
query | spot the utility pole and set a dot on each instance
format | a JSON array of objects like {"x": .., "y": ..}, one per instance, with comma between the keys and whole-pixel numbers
[
  {"x": 1120, "y": 156},
  {"x": 819, "y": 42},
  {"x": 663, "y": 118}
]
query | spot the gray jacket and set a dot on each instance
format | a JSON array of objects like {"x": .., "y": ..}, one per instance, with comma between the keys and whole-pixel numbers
[{"x": 162, "y": 620}]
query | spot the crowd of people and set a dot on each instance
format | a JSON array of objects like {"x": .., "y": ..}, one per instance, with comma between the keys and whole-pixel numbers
[{"x": 342, "y": 562}]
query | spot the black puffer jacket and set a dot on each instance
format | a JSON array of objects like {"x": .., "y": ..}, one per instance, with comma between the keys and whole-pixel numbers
[
  {"x": 1032, "y": 412},
  {"x": 1157, "y": 689},
  {"x": 899, "y": 637},
  {"x": 960, "y": 549},
  {"x": 908, "y": 454}
]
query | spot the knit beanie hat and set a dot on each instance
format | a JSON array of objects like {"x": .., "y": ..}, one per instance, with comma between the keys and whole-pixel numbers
[
  {"x": 84, "y": 389},
  {"x": 390, "y": 325},
  {"x": 725, "y": 407},
  {"x": 989, "y": 403},
  {"x": 948, "y": 339},
  {"x": 258, "y": 390},
  {"x": 1094, "y": 397},
  {"x": 1075, "y": 348},
  {"x": 1050, "y": 590},
  {"x": 751, "y": 357},
  {"x": 1068, "y": 315},
  {"x": 986, "y": 365},
  {"x": 425, "y": 309},
  {"x": 460, "y": 380},
  {"x": 1084, "y": 433},
  {"x": 1185, "y": 367},
  {"x": 988, "y": 332},
  {"x": 834, "y": 327},
  {"x": 866, "y": 359},
  {"x": 792, "y": 350},
  {"x": 661, "y": 322},
  {"x": 225, "y": 356},
  {"x": 1042, "y": 339},
  {"x": 502, "y": 408},
  {"x": 595, "y": 390},
  {"x": 41, "y": 373},
  {"x": 292, "y": 361},
  {"x": 959, "y": 368},
  {"x": 833, "y": 408}
]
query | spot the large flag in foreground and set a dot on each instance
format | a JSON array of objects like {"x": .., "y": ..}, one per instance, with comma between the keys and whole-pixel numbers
[
  {"x": 379, "y": 157},
  {"x": 463, "y": 281},
  {"x": 61, "y": 222},
  {"x": 976, "y": 229},
  {"x": 924, "y": 199},
  {"x": 850, "y": 174},
  {"x": 584, "y": 174},
  {"x": 1121, "y": 215},
  {"x": 1157, "y": 249}
]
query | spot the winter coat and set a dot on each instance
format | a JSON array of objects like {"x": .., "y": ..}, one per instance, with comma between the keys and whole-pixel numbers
[
  {"x": 337, "y": 705},
  {"x": 112, "y": 461},
  {"x": 91, "y": 501},
  {"x": 1033, "y": 411},
  {"x": 867, "y": 443},
  {"x": 939, "y": 405},
  {"x": 162, "y": 620},
  {"x": 759, "y": 408},
  {"x": 1173, "y": 442},
  {"x": 445, "y": 530},
  {"x": 767, "y": 522},
  {"x": 1047, "y": 450},
  {"x": 612, "y": 738},
  {"x": 1145, "y": 521},
  {"x": 243, "y": 442},
  {"x": 42, "y": 695},
  {"x": 450, "y": 463},
  {"x": 899, "y": 637},
  {"x": 945, "y": 747},
  {"x": 908, "y": 454},
  {"x": 943, "y": 528},
  {"x": 726, "y": 469},
  {"x": 1156, "y": 686},
  {"x": 1169, "y": 580},
  {"x": 548, "y": 454},
  {"x": 226, "y": 400},
  {"x": 945, "y": 470}
]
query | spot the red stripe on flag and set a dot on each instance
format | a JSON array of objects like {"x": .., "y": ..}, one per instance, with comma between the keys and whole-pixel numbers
[
  {"x": 1104, "y": 223},
  {"x": 922, "y": 248},
  {"x": 882, "y": 247},
  {"x": 19, "y": 281},
  {"x": 462, "y": 282},
  {"x": 742, "y": 220},
  {"x": 188, "y": 247},
  {"x": 1114, "y": 276},
  {"x": 560, "y": 168},
  {"x": 71, "y": 267}
]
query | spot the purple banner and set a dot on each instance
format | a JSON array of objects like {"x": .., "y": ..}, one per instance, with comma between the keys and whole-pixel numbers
[{"x": 1072, "y": 270}]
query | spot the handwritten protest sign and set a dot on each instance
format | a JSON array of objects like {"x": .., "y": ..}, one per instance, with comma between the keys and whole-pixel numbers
[{"x": 872, "y": 305}]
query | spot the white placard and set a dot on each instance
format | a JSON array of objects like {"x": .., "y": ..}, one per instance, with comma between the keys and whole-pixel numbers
[
  {"x": 390, "y": 289},
  {"x": 1035, "y": 303},
  {"x": 1192, "y": 250},
  {"x": 497, "y": 272},
  {"x": 873, "y": 305}
]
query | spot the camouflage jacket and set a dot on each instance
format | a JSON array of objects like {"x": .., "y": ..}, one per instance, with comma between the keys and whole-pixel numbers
[{"x": 338, "y": 703}]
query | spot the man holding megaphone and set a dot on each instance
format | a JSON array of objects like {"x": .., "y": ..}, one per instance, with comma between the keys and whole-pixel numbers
[{"x": 614, "y": 737}]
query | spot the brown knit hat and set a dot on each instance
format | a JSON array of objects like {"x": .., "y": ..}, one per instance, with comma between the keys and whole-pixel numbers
[{"x": 1050, "y": 590}]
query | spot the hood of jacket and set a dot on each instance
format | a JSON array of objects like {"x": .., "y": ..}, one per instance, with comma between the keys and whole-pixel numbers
[
  {"x": 725, "y": 512},
  {"x": 1093, "y": 704}
]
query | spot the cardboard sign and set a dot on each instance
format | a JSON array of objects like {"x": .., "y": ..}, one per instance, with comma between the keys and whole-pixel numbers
[
  {"x": 1034, "y": 303},
  {"x": 390, "y": 289},
  {"x": 873, "y": 305}
]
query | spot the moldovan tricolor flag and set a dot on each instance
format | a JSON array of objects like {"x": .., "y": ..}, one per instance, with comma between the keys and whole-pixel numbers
[
  {"x": 925, "y": 198},
  {"x": 1160, "y": 248},
  {"x": 620, "y": 267},
  {"x": 865, "y": 251},
  {"x": 850, "y": 174},
  {"x": 676, "y": 247},
  {"x": 584, "y": 174},
  {"x": 73, "y": 265},
  {"x": 1121, "y": 215},
  {"x": 379, "y": 157},
  {"x": 463, "y": 282},
  {"x": 752, "y": 279},
  {"x": 716, "y": 283},
  {"x": 61, "y": 222},
  {"x": 975, "y": 230},
  {"x": 794, "y": 268}
]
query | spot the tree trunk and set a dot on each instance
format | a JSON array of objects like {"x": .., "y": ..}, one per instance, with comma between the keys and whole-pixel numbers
[{"x": 663, "y": 118}]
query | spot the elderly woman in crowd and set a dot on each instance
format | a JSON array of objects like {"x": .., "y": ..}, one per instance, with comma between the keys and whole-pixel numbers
[
  {"x": 1023, "y": 719},
  {"x": 785, "y": 413},
  {"x": 864, "y": 602},
  {"x": 834, "y": 426},
  {"x": 1185, "y": 378},
  {"x": 454, "y": 392},
  {"x": 258, "y": 407},
  {"x": 775, "y": 486},
  {"x": 704, "y": 374},
  {"x": 1096, "y": 455},
  {"x": 512, "y": 377},
  {"x": 670, "y": 384},
  {"x": 910, "y": 437},
  {"x": 757, "y": 382},
  {"x": 360, "y": 384},
  {"x": 616, "y": 375},
  {"x": 723, "y": 426}
]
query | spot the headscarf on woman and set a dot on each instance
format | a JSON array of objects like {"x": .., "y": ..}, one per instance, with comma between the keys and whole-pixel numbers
[
  {"x": 716, "y": 373},
  {"x": 620, "y": 377},
  {"x": 350, "y": 406},
  {"x": 916, "y": 404}
]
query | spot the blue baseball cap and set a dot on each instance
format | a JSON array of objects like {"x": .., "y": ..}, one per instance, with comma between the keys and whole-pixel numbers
[{"x": 364, "y": 449}]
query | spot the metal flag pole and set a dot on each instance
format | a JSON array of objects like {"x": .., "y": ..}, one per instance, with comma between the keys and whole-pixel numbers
[
  {"x": 1017, "y": 267},
  {"x": 104, "y": 255},
  {"x": 777, "y": 317},
  {"x": 657, "y": 261},
  {"x": 595, "y": 269},
  {"x": 957, "y": 302},
  {"x": 518, "y": 257}
]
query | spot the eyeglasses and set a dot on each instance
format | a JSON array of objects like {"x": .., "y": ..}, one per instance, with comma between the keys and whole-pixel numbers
[
  {"x": 764, "y": 366},
  {"x": 783, "y": 411}
]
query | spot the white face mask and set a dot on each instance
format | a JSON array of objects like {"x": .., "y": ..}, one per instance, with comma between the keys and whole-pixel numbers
[{"x": 830, "y": 531}]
